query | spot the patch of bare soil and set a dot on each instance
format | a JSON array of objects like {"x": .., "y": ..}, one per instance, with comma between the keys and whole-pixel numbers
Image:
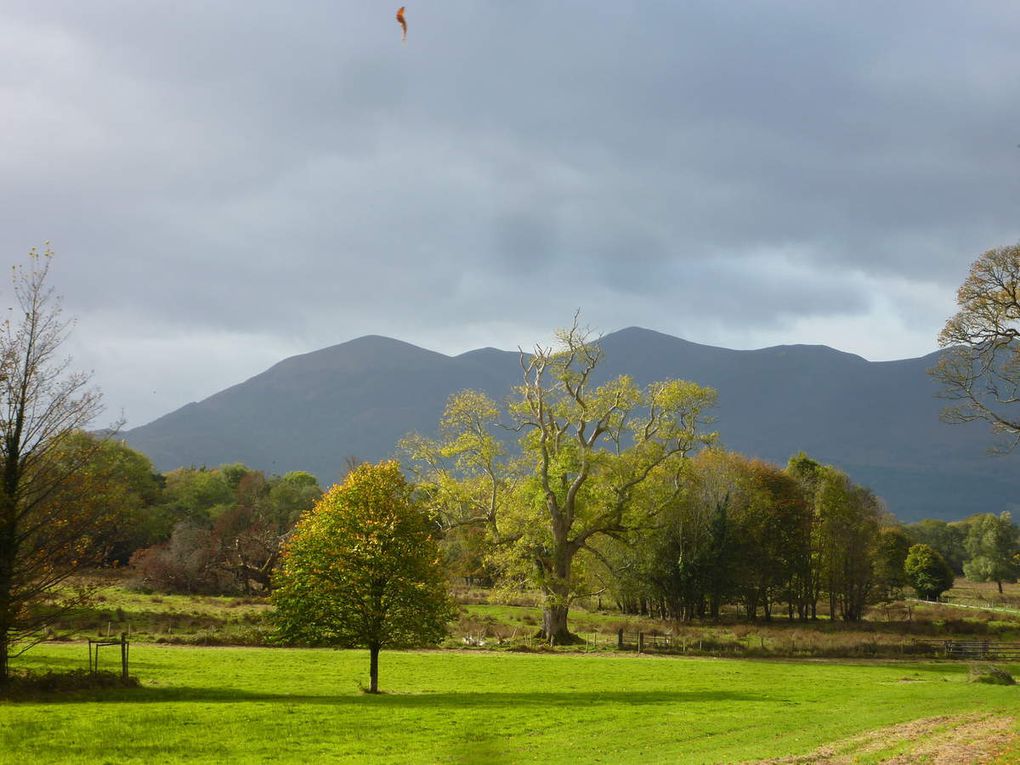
[{"x": 962, "y": 740}]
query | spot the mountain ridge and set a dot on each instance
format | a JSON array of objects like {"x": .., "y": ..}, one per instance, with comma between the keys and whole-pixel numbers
[{"x": 876, "y": 419}]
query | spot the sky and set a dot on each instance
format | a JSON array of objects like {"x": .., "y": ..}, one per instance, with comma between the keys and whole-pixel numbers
[{"x": 228, "y": 184}]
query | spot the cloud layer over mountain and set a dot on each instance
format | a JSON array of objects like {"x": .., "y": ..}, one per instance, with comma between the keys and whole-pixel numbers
[{"x": 229, "y": 184}]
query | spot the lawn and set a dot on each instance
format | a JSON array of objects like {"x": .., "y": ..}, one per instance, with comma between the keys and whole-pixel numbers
[{"x": 291, "y": 705}]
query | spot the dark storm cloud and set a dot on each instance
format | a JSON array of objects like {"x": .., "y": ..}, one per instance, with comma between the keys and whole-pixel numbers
[{"x": 226, "y": 184}]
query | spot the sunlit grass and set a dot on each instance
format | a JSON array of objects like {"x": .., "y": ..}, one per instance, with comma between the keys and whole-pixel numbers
[{"x": 286, "y": 705}]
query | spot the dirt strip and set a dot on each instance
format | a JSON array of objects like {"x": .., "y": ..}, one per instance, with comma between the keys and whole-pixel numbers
[{"x": 961, "y": 740}]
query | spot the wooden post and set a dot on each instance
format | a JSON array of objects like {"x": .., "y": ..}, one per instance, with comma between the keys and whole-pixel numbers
[
  {"x": 123, "y": 657},
  {"x": 619, "y": 639},
  {"x": 640, "y": 642}
]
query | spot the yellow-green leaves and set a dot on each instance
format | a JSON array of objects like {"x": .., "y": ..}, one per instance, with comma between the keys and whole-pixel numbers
[{"x": 362, "y": 568}]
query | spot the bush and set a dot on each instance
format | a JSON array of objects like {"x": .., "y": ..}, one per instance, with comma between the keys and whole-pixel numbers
[
  {"x": 28, "y": 684},
  {"x": 986, "y": 673}
]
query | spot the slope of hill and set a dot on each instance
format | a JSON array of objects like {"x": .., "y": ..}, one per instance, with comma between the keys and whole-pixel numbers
[{"x": 877, "y": 420}]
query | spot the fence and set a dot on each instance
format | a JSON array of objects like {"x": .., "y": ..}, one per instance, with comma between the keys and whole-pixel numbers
[
  {"x": 761, "y": 645},
  {"x": 653, "y": 641},
  {"x": 125, "y": 648},
  {"x": 981, "y": 649}
]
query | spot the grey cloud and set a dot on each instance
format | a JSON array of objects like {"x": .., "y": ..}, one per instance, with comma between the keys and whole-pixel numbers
[{"x": 296, "y": 175}]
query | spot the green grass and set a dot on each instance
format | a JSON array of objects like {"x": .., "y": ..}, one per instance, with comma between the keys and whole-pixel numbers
[
  {"x": 277, "y": 705},
  {"x": 160, "y": 617}
]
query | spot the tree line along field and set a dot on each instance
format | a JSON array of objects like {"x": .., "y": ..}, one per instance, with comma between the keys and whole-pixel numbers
[
  {"x": 898, "y": 628},
  {"x": 208, "y": 704}
]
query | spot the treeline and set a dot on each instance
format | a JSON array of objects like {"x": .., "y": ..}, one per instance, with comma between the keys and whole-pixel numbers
[
  {"x": 793, "y": 542},
  {"x": 197, "y": 530},
  {"x": 735, "y": 533},
  {"x": 749, "y": 534}
]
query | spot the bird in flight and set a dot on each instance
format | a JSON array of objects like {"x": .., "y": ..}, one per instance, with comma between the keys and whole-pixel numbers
[{"x": 403, "y": 24}]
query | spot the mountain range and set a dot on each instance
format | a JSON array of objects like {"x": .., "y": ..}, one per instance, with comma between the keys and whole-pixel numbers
[{"x": 879, "y": 421}]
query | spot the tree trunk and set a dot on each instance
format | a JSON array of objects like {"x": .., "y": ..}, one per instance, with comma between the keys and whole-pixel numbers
[
  {"x": 373, "y": 668},
  {"x": 554, "y": 625},
  {"x": 8, "y": 555},
  {"x": 557, "y": 590},
  {"x": 5, "y": 664}
]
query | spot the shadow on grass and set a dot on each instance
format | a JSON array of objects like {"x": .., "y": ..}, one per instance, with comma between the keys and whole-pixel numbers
[{"x": 465, "y": 700}]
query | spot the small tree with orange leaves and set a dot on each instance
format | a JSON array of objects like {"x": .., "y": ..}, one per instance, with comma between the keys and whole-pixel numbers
[{"x": 363, "y": 570}]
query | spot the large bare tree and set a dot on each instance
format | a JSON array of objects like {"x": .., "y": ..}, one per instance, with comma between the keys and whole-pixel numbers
[
  {"x": 50, "y": 511},
  {"x": 980, "y": 366}
]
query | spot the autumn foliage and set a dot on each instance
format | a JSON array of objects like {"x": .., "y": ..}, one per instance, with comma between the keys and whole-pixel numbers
[{"x": 363, "y": 569}]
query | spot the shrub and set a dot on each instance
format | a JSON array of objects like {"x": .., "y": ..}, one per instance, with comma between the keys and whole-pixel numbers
[{"x": 28, "y": 684}]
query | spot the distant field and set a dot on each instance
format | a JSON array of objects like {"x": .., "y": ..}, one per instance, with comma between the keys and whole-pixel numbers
[
  {"x": 289, "y": 705},
  {"x": 985, "y": 594},
  {"x": 890, "y": 630}
]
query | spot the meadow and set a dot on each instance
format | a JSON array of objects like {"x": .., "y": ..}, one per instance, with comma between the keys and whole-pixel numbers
[
  {"x": 291, "y": 705},
  {"x": 211, "y": 691}
]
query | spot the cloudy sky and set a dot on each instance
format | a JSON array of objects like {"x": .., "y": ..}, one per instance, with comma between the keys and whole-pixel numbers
[{"x": 228, "y": 184}]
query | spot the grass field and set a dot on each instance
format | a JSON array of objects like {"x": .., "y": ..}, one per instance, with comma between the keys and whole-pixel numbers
[{"x": 289, "y": 705}]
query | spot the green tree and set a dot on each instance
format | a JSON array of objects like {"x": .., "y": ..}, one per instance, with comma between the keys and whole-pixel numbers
[
  {"x": 131, "y": 492},
  {"x": 292, "y": 494},
  {"x": 200, "y": 494},
  {"x": 808, "y": 586},
  {"x": 587, "y": 453},
  {"x": 980, "y": 366},
  {"x": 891, "y": 550},
  {"x": 847, "y": 520},
  {"x": 992, "y": 545},
  {"x": 947, "y": 538},
  {"x": 49, "y": 526},
  {"x": 927, "y": 572},
  {"x": 363, "y": 569},
  {"x": 844, "y": 528}
]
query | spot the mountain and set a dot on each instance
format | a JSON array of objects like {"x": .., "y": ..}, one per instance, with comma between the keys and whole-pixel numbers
[{"x": 876, "y": 420}]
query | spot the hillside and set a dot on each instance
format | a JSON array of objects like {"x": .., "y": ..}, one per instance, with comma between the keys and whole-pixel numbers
[{"x": 877, "y": 420}]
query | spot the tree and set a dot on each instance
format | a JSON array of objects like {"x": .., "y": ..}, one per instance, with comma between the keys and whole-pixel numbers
[
  {"x": 891, "y": 550},
  {"x": 200, "y": 494},
  {"x": 992, "y": 545},
  {"x": 980, "y": 366},
  {"x": 947, "y": 538},
  {"x": 927, "y": 572},
  {"x": 48, "y": 525},
  {"x": 291, "y": 495},
  {"x": 587, "y": 455},
  {"x": 230, "y": 524},
  {"x": 844, "y": 531},
  {"x": 847, "y": 519},
  {"x": 363, "y": 569},
  {"x": 131, "y": 490}
]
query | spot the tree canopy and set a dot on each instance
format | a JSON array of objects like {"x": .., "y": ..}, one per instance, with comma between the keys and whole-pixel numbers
[
  {"x": 927, "y": 572},
  {"x": 979, "y": 367},
  {"x": 992, "y": 543},
  {"x": 588, "y": 453},
  {"x": 363, "y": 569}
]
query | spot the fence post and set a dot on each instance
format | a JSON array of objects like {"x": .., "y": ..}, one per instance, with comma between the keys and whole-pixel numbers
[
  {"x": 619, "y": 639},
  {"x": 123, "y": 656},
  {"x": 640, "y": 642}
]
